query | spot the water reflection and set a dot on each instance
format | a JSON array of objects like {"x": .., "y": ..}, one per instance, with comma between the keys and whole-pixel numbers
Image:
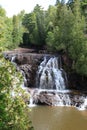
[{"x": 58, "y": 118}]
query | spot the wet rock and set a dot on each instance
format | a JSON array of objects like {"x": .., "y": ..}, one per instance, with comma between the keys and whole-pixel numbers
[
  {"x": 26, "y": 62},
  {"x": 58, "y": 98}
]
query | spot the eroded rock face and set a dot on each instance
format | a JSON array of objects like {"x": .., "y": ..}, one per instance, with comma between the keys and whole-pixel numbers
[
  {"x": 25, "y": 58},
  {"x": 54, "y": 98},
  {"x": 26, "y": 62}
]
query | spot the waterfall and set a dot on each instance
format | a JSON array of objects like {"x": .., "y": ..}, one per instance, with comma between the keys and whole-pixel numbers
[
  {"x": 50, "y": 74},
  {"x": 51, "y": 83},
  {"x": 31, "y": 104},
  {"x": 84, "y": 105},
  {"x": 51, "y": 80},
  {"x": 13, "y": 60}
]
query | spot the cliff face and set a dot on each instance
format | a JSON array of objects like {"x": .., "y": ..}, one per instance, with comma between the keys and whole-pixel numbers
[
  {"x": 75, "y": 80},
  {"x": 28, "y": 61}
]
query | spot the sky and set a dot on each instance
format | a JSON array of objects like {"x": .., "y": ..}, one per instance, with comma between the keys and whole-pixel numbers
[{"x": 15, "y": 6}]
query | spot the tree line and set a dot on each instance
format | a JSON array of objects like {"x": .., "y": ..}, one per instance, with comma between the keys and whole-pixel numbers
[{"x": 60, "y": 27}]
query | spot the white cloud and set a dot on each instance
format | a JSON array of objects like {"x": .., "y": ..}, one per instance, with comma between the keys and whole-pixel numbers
[{"x": 15, "y": 6}]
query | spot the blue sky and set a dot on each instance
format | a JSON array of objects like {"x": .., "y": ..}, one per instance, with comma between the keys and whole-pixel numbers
[{"x": 15, "y": 6}]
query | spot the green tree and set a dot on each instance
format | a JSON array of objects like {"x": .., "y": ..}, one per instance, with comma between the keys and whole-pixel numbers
[
  {"x": 13, "y": 107},
  {"x": 17, "y": 32},
  {"x": 29, "y": 22},
  {"x": 50, "y": 18},
  {"x": 2, "y": 12},
  {"x": 78, "y": 43},
  {"x": 77, "y": 32},
  {"x": 57, "y": 2},
  {"x": 68, "y": 35},
  {"x": 84, "y": 12},
  {"x": 40, "y": 23},
  {"x": 8, "y": 33},
  {"x": 62, "y": 29},
  {"x": 35, "y": 24},
  {"x": 5, "y": 30},
  {"x": 2, "y": 26}
]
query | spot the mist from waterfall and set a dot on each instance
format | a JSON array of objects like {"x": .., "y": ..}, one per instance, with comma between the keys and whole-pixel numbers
[{"x": 50, "y": 74}]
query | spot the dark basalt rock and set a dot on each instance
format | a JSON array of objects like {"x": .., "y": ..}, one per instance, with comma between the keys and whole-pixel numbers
[
  {"x": 25, "y": 57},
  {"x": 26, "y": 62},
  {"x": 59, "y": 98},
  {"x": 75, "y": 80}
]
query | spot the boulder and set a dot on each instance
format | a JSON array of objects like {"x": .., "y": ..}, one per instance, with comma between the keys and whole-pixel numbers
[{"x": 54, "y": 98}]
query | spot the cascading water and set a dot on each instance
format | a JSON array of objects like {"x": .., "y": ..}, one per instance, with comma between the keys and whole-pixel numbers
[
  {"x": 51, "y": 81},
  {"x": 13, "y": 60},
  {"x": 50, "y": 75}
]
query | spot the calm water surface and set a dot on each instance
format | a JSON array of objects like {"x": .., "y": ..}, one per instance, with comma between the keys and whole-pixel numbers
[{"x": 58, "y": 118}]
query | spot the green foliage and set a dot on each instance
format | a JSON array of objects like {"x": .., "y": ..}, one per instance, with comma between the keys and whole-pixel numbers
[
  {"x": 5, "y": 30},
  {"x": 81, "y": 65},
  {"x": 62, "y": 30},
  {"x": 2, "y": 12},
  {"x": 13, "y": 99},
  {"x": 8, "y": 34},
  {"x": 2, "y": 26},
  {"x": 57, "y": 2},
  {"x": 17, "y": 31},
  {"x": 35, "y": 24},
  {"x": 50, "y": 40},
  {"x": 61, "y": 27},
  {"x": 78, "y": 46},
  {"x": 40, "y": 24},
  {"x": 68, "y": 35},
  {"x": 50, "y": 18},
  {"x": 11, "y": 30}
]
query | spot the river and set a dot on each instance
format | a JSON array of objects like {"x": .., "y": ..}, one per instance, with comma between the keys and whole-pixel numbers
[
  {"x": 58, "y": 118},
  {"x": 50, "y": 76}
]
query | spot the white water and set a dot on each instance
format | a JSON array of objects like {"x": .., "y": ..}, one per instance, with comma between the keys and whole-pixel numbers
[
  {"x": 49, "y": 75},
  {"x": 84, "y": 105},
  {"x": 31, "y": 104},
  {"x": 13, "y": 60},
  {"x": 52, "y": 78}
]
